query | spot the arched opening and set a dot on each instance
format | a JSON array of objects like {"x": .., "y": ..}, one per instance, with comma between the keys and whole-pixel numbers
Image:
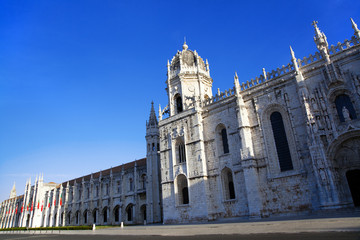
[
  {"x": 94, "y": 215},
  {"x": 62, "y": 219},
  {"x": 353, "y": 179},
  {"x": 55, "y": 217},
  {"x": 182, "y": 189},
  {"x": 117, "y": 213},
  {"x": 344, "y": 107},
  {"x": 85, "y": 216},
  {"x": 143, "y": 212},
  {"x": 180, "y": 151},
  {"x": 228, "y": 184},
  {"x": 105, "y": 218},
  {"x": 69, "y": 218},
  {"x": 28, "y": 220},
  {"x": 77, "y": 217},
  {"x": 282, "y": 146},
  {"x": 178, "y": 103},
  {"x": 129, "y": 212},
  {"x": 131, "y": 185}
]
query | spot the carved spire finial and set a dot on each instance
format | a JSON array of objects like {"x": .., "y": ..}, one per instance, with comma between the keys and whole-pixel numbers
[
  {"x": 185, "y": 46},
  {"x": 356, "y": 29},
  {"x": 264, "y": 73},
  {"x": 321, "y": 42},
  {"x": 293, "y": 59}
]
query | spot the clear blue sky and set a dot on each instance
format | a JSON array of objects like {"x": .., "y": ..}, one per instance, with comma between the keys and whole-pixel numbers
[{"x": 77, "y": 77}]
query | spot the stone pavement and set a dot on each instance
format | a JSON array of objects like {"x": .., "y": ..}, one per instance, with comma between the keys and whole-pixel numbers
[{"x": 232, "y": 226}]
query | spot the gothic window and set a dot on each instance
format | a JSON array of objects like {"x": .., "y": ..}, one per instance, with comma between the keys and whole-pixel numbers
[
  {"x": 79, "y": 194},
  {"x": 107, "y": 189},
  {"x": 178, "y": 102},
  {"x": 97, "y": 191},
  {"x": 344, "y": 108},
  {"x": 88, "y": 192},
  {"x": 281, "y": 143},
  {"x": 224, "y": 140},
  {"x": 143, "y": 181},
  {"x": 118, "y": 187},
  {"x": 180, "y": 151},
  {"x": 131, "y": 184},
  {"x": 182, "y": 189},
  {"x": 228, "y": 184}
]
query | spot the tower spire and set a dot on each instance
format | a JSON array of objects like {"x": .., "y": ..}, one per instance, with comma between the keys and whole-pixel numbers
[
  {"x": 152, "y": 119},
  {"x": 356, "y": 29},
  {"x": 13, "y": 191}
]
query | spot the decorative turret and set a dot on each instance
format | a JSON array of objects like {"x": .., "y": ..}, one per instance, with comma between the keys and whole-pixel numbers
[
  {"x": 13, "y": 192},
  {"x": 356, "y": 30},
  {"x": 321, "y": 42},
  {"x": 188, "y": 79}
]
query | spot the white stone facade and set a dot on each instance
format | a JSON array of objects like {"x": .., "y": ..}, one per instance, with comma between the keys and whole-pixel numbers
[
  {"x": 287, "y": 142},
  {"x": 284, "y": 143}
]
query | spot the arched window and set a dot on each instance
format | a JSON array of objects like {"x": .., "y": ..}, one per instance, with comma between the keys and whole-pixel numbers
[
  {"x": 107, "y": 189},
  {"x": 282, "y": 146},
  {"x": 178, "y": 102},
  {"x": 224, "y": 140},
  {"x": 180, "y": 151},
  {"x": 182, "y": 188},
  {"x": 344, "y": 106}
]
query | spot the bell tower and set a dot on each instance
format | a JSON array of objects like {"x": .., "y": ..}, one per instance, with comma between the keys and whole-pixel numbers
[
  {"x": 188, "y": 79},
  {"x": 153, "y": 192}
]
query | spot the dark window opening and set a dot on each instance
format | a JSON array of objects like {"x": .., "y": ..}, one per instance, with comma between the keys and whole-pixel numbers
[
  {"x": 282, "y": 146},
  {"x": 179, "y": 105},
  {"x": 129, "y": 213},
  {"x": 224, "y": 140},
  {"x": 85, "y": 217},
  {"x": 117, "y": 214},
  {"x": 94, "y": 216},
  {"x": 105, "y": 215},
  {"x": 342, "y": 101},
  {"x": 185, "y": 193}
]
